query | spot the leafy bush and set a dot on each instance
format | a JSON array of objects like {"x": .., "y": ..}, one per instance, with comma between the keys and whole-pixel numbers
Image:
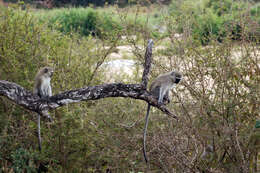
[
  {"x": 208, "y": 25},
  {"x": 26, "y": 45},
  {"x": 85, "y": 21},
  {"x": 212, "y": 19},
  {"x": 255, "y": 14},
  {"x": 98, "y": 22},
  {"x": 255, "y": 10},
  {"x": 23, "y": 161},
  {"x": 85, "y": 3},
  {"x": 217, "y": 102},
  {"x": 220, "y": 8}
]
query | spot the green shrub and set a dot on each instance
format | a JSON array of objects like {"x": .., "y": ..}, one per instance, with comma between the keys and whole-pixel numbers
[
  {"x": 255, "y": 13},
  {"x": 26, "y": 45},
  {"x": 217, "y": 103},
  {"x": 213, "y": 19},
  {"x": 255, "y": 10},
  {"x": 220, "y": 7},
  {"x": 206, "y": 26},
  {"x": 85, "y": 21},
  {"x": 80, "y": 20},
  {"x": 23, "y": 161}
]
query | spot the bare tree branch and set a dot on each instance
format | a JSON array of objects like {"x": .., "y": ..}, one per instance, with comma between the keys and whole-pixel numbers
[
  {"x": 148, "y": 62},
  {"x": 26, "y": 99}
]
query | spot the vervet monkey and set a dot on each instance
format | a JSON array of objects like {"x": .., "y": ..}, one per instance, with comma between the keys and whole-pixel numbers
[
  {"x": 160, "y": 88},
  {"x": 42, "y": 88}
]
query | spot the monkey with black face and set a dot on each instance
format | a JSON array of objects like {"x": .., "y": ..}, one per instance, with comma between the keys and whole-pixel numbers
[
  {"x": 42, "y": 85},
  {"x": 42, "y": 88},
  {"x": 160, "y": 88}
]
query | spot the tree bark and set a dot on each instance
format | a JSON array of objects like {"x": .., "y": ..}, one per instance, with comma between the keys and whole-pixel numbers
[{"x": 148, "y": 62}]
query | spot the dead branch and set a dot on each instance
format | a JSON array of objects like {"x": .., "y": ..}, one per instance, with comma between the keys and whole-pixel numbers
[{"x": 147, "y": 64}]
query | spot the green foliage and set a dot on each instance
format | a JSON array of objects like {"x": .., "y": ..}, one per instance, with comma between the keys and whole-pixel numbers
[
  {"x": 85, "y": 3},
  {"x": 208, "y": 25},
  {"x": 255, "y": 15},
  {"x": 211, "y": 19},
  {"x": 216, "y": 103},
  {"x": 220, "y": 8},
  {"x": 71, "y": 20},
  {"x": 255, "y": 10},
  {"x": 85, "y": 21},
  {"x": 26, "y": 45},
  {"x": 23, "y": 161},
  {"x": 100, "y": 22}
]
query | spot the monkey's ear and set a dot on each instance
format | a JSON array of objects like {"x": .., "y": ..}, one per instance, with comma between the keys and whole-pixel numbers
[{"x": 45, "y": 70}]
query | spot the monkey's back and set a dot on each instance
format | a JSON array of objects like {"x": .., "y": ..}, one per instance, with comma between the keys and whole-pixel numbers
[
  {"x": 42, "y": 84},
  {"x": 164, "y": 79}
]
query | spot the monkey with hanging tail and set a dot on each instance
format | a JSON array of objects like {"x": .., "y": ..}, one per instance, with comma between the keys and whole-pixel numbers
[
  {"x": 160, "y": 88},
  {"x": 42, "y": 88}
]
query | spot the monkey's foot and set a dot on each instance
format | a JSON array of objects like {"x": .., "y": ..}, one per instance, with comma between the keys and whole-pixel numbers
[
  {"x": 160, "y": 103},
  {"x": 166, "y": 101}
]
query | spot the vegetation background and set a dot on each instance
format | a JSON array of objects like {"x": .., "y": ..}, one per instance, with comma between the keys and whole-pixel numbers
[{"x": 214, "y": 44}]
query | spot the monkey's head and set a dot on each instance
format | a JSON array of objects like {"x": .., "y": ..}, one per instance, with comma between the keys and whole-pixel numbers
[
  {"x": 177, "y": 76},
  {"x": 47, "y": 71}
]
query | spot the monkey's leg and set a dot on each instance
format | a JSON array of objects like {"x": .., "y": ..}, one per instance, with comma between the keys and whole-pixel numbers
[
  {"x": 39, "y": 133},
  {"x": 163, "y": 91},
  {"x": 166, "y": 99},
  {"x": 160, "y": 100}
]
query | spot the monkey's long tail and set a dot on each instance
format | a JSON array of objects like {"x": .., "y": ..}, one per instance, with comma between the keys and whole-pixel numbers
[
  {"x": 39, "y": 133},
  {"x": 145, "y": 130}
]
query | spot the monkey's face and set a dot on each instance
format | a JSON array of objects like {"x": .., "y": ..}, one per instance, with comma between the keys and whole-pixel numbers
[
  {"x": 177, "y": 76},
  {"x": 48, "y": 71},
  {"x": 177, "y": 80}
]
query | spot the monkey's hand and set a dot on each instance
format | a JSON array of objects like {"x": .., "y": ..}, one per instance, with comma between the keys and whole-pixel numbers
[
  {"x": 160, "y": 103},
  {"x": 166, "y": 100}
]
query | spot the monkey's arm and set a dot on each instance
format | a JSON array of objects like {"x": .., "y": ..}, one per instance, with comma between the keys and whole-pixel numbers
[
  {"x": 26, "y": 99},
  {"x": 50, "y": 91},
  {"x": 41, "y": 94}
]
